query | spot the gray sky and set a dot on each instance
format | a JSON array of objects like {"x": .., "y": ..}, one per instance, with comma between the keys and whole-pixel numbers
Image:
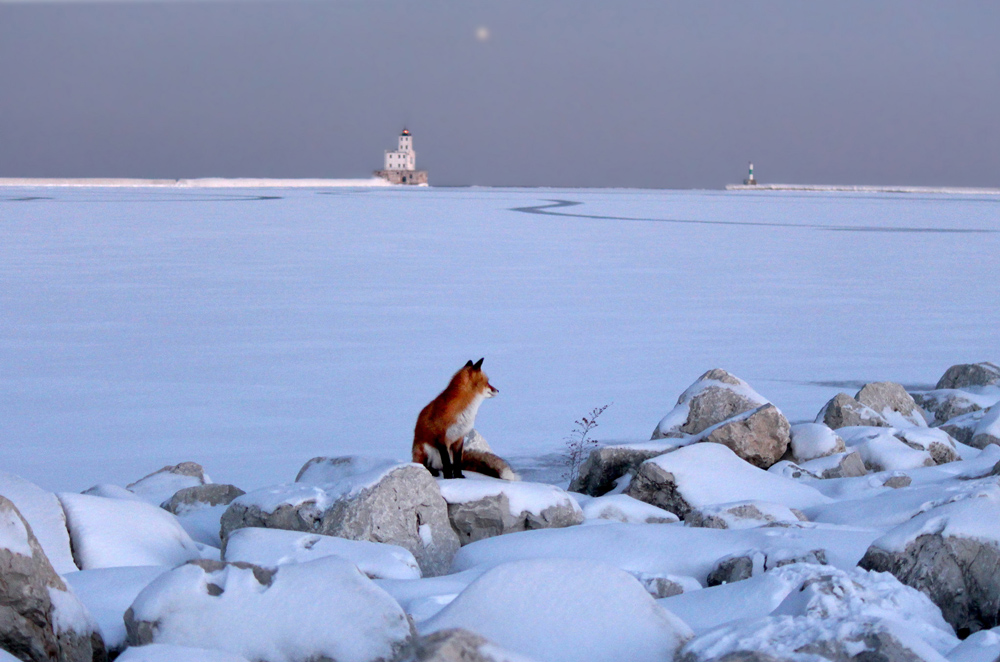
[{"x": 563, "y": 92}]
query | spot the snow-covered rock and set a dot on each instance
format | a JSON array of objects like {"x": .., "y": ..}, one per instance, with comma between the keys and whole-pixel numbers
[
  {"x": 844, "y": 411},
  {"x": 481, "y": 507},
  {"x": 107, "y": 593},
  {"x": 949, "y": 403},
  {"x": 274, "y": 547},
  {"x": 45, "y": 514},
  {"x": 709, "y": 474},
  {"x": 666, "y": 585},
  {"x": 893, "y": 403},
  {"x": 606, "y": 465},
  {"x": 988, "y": 429},
  {"x": 713, "y": 398},
  {"x": 458, "y": 645},
  {"x": 399, "y": 504},
  {"x": 320, "y": 609},
  {"x": 743, "y": 515},
  {"x": 40, "y": 617},
  {"x": 970, "y": 374},
  {"x": 159, "y": 486},
  {"x": 623, "y": 508},
  {"x": 842, "y": 465},
  {"x": 197, "y": 497},
  {"x": 558, "y": 609},
  {"x": 952, "y": 554},
  {"x": 881, "y": 450},
  {"x": 759, "y": 437},
  {"x": 170, "y": 653},
  {"x": 116, "y": 532},
  {"x": 810, "y": 441},
  {"x": 963, "y": 428},
  {"x": 325, "y": 470},
  {"x": 936, "y": 442},
  {"x": 982, "y": 646}
]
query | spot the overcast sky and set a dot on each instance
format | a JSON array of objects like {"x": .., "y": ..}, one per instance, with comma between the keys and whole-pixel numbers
[{"x": 534, "y": 92}]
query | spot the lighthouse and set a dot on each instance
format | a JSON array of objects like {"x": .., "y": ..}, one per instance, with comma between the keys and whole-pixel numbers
[
  {"x": 401, "y": 163},
  {"x": 750, "y": 181}
]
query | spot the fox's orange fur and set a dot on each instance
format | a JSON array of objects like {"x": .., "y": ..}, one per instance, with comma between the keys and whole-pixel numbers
[{"x": 439, "y": 438}]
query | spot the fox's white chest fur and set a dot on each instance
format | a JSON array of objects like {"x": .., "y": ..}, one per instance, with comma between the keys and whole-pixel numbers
[{"x": 465, "y": 420}]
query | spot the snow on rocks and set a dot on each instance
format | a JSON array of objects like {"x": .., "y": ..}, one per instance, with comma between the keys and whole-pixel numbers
[
  {"x": 988, "y": 429},
  {"x": 963, "y": 428},
  {"x": 169, "y": 653},
  {"x": 197, "y": 497},
  {"x": 892, "y": 401},
  {"x": 710, "y": 474},
  {"x": 982, "y": 646},
  {"x": 320, "y": 609},
  {"x": 814, "y": 440},
  {"x": 760, "y": 436},
  {"x": 951, "y": 553},
  {"x": 40, "y": 618},
  {"x": 949, "y": 403},
  {"x": 117, "y": 532},
  {"x": 399, "y": 504},
  {"x": 713, "y": 398},
  {"x": 622, "y": 508},
  {"x": 275, "y": 547},
  {"x": 554, "y": 610},
  {"x": 159, "y": 486},
  {"x": 743, "y": 515},
  {"x": 881, "y": 450},
  {"x": 481, "y": 507},
  {"x": 45, "y": 514},
  {"x": 606, "y": 465},
  {"x": 844, "y": 411},
  {"x": 458, "y": 645},
  {"x": 970, "y": 374},
  {"x": 842, "y": 465},
  {"x": 107, "y": 594},
  {"x": 936, "y": 442},
  {"x": 817, "y": 612}
]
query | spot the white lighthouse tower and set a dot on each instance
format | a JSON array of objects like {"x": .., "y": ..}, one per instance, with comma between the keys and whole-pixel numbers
[
  {"x": 401, "y": 164},
  {"x": 750, "y": 181}
]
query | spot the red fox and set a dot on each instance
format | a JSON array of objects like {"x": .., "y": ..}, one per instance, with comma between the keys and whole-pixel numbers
[{"x": 439, "y": 438}]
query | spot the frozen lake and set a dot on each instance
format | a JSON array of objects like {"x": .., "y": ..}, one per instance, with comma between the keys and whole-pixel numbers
[{"x": 252, "y": 330}]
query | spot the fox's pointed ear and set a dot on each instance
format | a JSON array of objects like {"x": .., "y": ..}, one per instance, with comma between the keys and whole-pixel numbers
[
  {"x": 479, "y": 364},
  {"x": 468, "y": 364}
]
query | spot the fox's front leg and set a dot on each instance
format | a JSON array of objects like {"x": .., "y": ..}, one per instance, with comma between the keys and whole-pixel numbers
[
  {"x": 457, "y": 460},
  {"x": 447, "y": 467}
]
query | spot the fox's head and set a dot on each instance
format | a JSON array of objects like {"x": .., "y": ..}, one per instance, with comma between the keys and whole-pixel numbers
[{"x": 473, "y": 378}]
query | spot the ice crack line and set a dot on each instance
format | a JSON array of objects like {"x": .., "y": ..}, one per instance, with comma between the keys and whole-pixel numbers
[{"x": 547, "y": 210}]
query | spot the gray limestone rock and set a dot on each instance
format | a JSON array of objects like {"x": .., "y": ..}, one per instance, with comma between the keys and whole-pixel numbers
[
  {"x": 455, "y": 645},
  {"x": 192, "y": 498},
  {"x": 958, "y": 574},
  {"x": 743, "y": 515},
  {"x": 705, "y": 404},
  {"x": 605, "y": 465},
  {"x": 945, "y": 404},
  {"x": 963, "y": 428},
  {"x": 844, "y": 411},
  {"x": 491, "y": 516},
  {"x": 970, "y": 374},
  {"x": 404, "y": 508},
  {"x": 476, "y": 442},
  {"x": 842, "y": 465},
  {"x": 657, "y": 486},
  {"x": 897, "y": 480},
  {"x": 986, "y": 431},
  {"x": 736, "y": 568},
  {"x": 937, "y": 442},
  {"x": 760, "y": 438},
  {"x": 658, "y": 586},
  {"x": 32, "y": 625},
  {"x": 890, "y": 396}
]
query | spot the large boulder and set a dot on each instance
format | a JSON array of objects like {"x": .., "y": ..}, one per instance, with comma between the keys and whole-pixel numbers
[
  {"x": 988, "y": 429},
  {"x": 41, "y": 620},
  {"x": 623, "y": 508},
  {"x": 197, "y": 497},
  {"x": 963, "y": 428},
  {"x": 399, "y": 504},
  {"x": 893, "y": 402},
  {"x": 324, "y": 609},
  {"x": 713, "y": 398},
  {"x": 936, "y": 442},
  {"x": 970, "y": 374},
  {"x": 810, "y": 441},
  {"x": 709, "y": 474},
  {"x": 482, "y": 507},
  {"x": 881, "y": 450},
  {"x": 842, "y": 465},
  {"x": 844, "y": 411},
  {"x": 45, "y": 515},
  {"x": 744, "y": 515},
  {"x": 760, "y": 436},
  {"x": 604, "y": 466},
  {"x": 159, "y": 486},
  {"x": 951, "y": 554},
  {"x": 947, "y": 404}
]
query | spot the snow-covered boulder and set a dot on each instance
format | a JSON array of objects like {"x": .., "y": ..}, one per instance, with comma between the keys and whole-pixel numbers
[
  {"x": 324, "y": 609},
  {"x": 399, "y": 504},
  {"x": 963, "y": 428},
  {"x": 325, "y": 470},
  {"x": 606, "y": 465},
  {"x": 159, "y": 486},
  {"x": 197, "y": 497},
  {"x": 982, "y": 646},
  {"x": 822, "y": 613},
  {"x": 665, "y": 585},
  {"x": 713, "y": 398},
  {"x": 759, "y": 437},
  {"x": 970, "y": 374},
  {"x": 753, "y": 562},
  {"x": 458, "y": 645},
  {"x": 169, "y": 653},
  {"x": 893, "y": 402},
  {"x": 881, "y": 450},
  {"x": 275, "y": 547},
  {"x": 116, "y": 532},
  {"x": 952, "y": 554},
  {"x": 743, "y": 515},
  {"x": 948, "y": 403},
  {"x": 623, "y": 508},
  {"x": 41, "y": 620},
  {"x": 814, "y": 440},
  {"x": 107, "y": 594},
  {"x": 844, "y": 411},
  {"x": 709, "y": 474},
  {"x": 988, "y": 429},
  {"x": 559, "y": 609},
  {"x": 936, "y": 442},
  {"x": 45, "y": 514},
  {"x": 482, "y": 507},
  {"x": 842, "y": 465}
]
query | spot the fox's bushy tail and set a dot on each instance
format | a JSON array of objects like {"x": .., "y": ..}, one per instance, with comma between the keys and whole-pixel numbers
[{"x": 488, "y": 464}]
